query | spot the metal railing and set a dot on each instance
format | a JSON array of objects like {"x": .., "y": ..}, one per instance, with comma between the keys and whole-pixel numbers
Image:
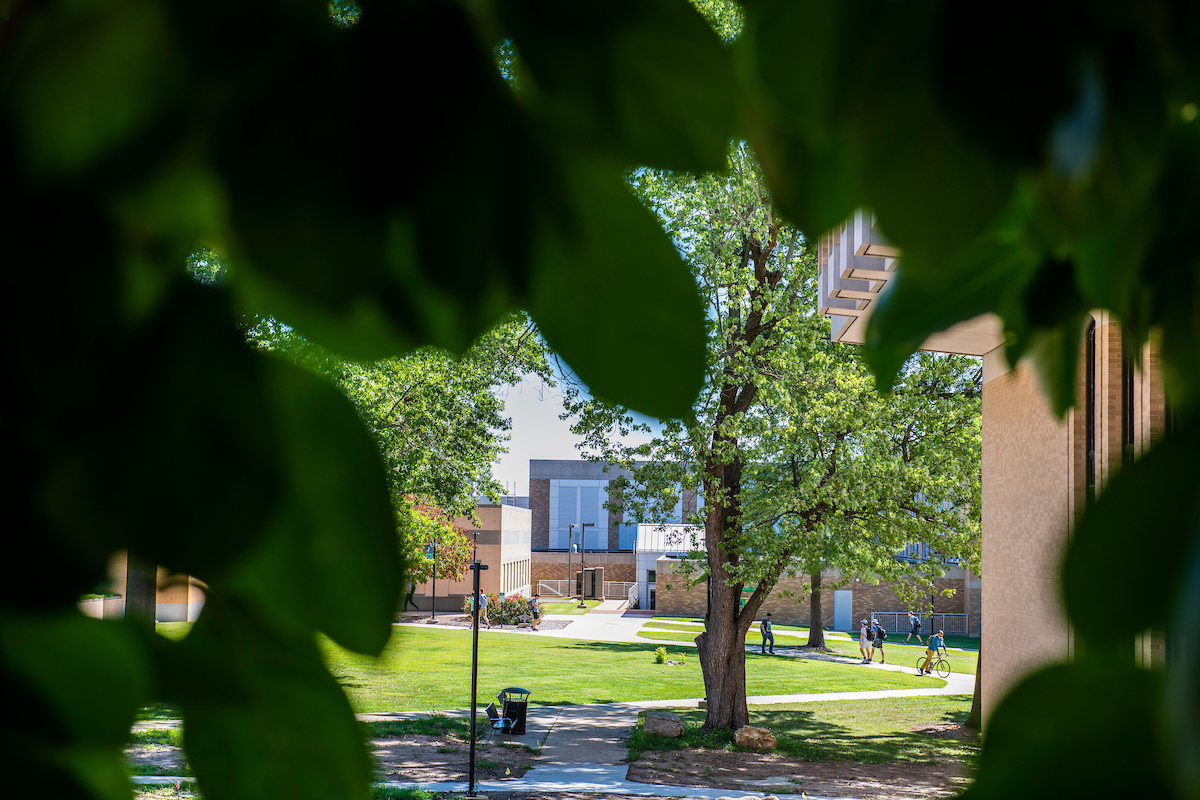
[
  {"x": 896, "y": 622},
  {"x": 633, "y": 595},
  {"x": 554, "y": 588},
  {"x": 617, "y": 590},
  {"x": 613, "y": 590}
]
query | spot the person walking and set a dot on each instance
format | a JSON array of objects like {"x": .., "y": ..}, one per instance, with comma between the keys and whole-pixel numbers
[
  {"x": 535, "y": 610},
  {"x": 936, "y": 643},
  {"x": 764, "y": 628},
  {"x": 914, "y": 622},
  {"x": 877, "y": 642},
  {"x": 865, "y": 635},
  {"x": 483, "y": 604}
]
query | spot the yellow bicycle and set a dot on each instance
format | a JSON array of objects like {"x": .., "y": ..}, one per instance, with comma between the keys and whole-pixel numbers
[{"x": 939, "y": 665}]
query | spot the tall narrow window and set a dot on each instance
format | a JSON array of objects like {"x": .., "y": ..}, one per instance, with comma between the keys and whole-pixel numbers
[
  {"x": 1127, "y": 407},
  {"x": 1090, "y": 411}
]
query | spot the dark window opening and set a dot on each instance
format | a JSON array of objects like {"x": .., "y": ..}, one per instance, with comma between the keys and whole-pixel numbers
[
  {"x": 1127, "y": 407},
  {"x": 1090, "y": 411}
]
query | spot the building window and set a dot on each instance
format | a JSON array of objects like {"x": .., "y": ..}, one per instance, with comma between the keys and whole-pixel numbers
[
  {"x": 650, "y": 576},
  {"x": 1090, "y": 411},
  {"x": 1127, "y": 409}
]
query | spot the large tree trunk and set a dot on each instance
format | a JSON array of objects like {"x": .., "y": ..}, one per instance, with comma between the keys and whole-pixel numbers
[
  {"x": 722, "y": 650},
  {"x": 141, "y": 591},
  {"x": 975, "y": 718},
  {"x": 722, "y": 646},
  {"x": 816, "y": 628}
]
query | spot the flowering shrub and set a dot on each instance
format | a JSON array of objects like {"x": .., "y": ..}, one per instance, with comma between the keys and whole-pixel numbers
[{"x": 509, "y": 611}]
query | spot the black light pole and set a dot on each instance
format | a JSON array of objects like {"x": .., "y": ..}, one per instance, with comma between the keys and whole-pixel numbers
[
  {"x": 582, "y": 558},
  {"x": 570, "y": 544},
  {"x": 431, "y": 551},
  {"x": 477, "y": 568}
]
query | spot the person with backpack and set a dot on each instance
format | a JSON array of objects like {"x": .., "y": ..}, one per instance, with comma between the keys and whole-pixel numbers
[
  {"x": 865, "y": 635},
  {"x": 764, "y": 628},
  {"x": 877, "y": 644},
  {"x": 915, "y": 622},
  {"x": 535, "y": 611}
]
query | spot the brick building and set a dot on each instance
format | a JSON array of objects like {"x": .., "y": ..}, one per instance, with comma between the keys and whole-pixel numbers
[
  {"x": 1039, "y": 472},
  {"x": 502, "y": 538}
]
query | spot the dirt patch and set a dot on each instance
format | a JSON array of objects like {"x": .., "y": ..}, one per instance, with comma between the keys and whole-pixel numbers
[
  {"x": 410, "y": 757},
  {"x": 156, "y": 759},
  {"x": 464, "y": 621},
  {"x": 776, "y": 773},
  {"x": 424, "y": 759},
  {"x": 948, "y": 730}
]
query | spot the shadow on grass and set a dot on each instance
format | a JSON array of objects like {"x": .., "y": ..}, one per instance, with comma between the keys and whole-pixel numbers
[{"x": 804, "y": 734}]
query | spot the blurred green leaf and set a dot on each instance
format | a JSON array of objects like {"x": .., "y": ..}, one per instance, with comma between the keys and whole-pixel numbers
[
  {"x": 1101, "y": 549},
  {"x": 331, "y": 559},
  {"x": 293, "y": 735},
  {"x": 612, "y": 295},
  {"x": 187, "y": 445},
  {"x": 91, "y": 672},
  {"x": 1060, "y": 732},
  {"x": 987, "y": 276},
  {"x": 647, "y": 80},
  {"x": 89, "y": 76}
]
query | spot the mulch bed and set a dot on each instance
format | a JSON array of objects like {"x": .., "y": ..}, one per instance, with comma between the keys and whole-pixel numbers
[
  {"x": 464, "y": 621},
  {"x": 417, "y": 758},
  {"x": 773, "y": 772}
]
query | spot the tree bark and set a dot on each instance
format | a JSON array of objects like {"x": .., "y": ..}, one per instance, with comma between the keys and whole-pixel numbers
[
  {"x": 816, "y": 628},
  {"x": 975, "y": 718},
  {"x": 722, "y": 646},
  {"x": 141, "y": 591}
]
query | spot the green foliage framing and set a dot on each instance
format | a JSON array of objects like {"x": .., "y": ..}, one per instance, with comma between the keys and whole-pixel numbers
[{"x": 1037, "y": 159}]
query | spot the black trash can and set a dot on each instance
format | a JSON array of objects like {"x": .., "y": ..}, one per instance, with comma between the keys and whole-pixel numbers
[{"x": 515, "y": 702}]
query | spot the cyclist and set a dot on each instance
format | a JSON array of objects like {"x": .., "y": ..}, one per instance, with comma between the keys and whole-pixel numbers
[{"x": 935, "y": 645}]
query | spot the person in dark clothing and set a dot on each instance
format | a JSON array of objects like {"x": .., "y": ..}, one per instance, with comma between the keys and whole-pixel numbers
[{"x": 764, "y": 628}]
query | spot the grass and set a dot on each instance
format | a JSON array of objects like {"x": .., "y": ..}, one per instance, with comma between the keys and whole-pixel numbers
[
  {"x": 430, "y": 670},
  {"x": 751, "y": 638},
  {"x": 158, "y": 736},
  {"x": 568, "y": 607},
  {"x": 959, "y": 642},
  {"x": 434, "y": 725},
  {"x": 166, "y": 791},
  {"x": 395, "y": 793},
  {"x": 158, "y": 711},
  {"x": 867, "y": 731},
  {"x": 905, "y": 655}
]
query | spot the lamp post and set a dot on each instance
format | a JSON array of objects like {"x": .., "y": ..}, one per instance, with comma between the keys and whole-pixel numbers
[
  {"x": 570, "y": 544},
  {"x": 476, "y": 567},
  {"x": 583, "y": 558},
  {"x": 431, "y": 553}
]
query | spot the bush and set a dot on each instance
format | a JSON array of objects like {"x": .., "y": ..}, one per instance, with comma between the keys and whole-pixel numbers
[
  {"x": 660, "y": 655},
  {"x": 509, "y": 611}
]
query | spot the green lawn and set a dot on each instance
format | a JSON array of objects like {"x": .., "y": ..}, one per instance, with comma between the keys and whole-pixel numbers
[
  {"x": 870, "y": 731},
  {"x": 677, "y": 624},
  {"x": 751, "y": 638},
  {"x": 568, "y": 607},
  {"x": 430, "y": 669},
  {"x": 906, "y": 655}
]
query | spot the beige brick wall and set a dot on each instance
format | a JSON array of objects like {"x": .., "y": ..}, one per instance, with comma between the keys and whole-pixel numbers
[
  {"x": 1027, "y": 483},
  {"x": 789, "y": 602}
]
